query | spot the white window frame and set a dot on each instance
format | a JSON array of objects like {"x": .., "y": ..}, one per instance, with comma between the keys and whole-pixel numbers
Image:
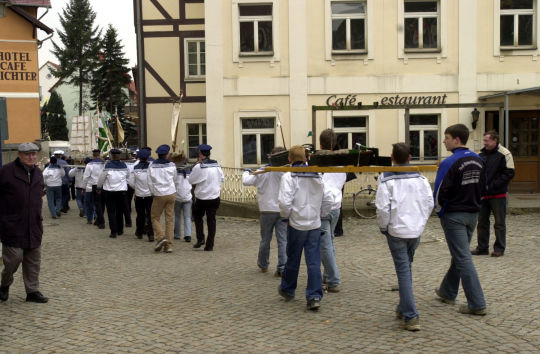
[
  {"x": 255, "y": 57},
  {"x": 443, "y": 122},
  {"x": 187, "y": 76},
  {"x": 499, "y": 50},
  {"x": 368, "y": 53},
  {"x": 369, "y": 129},
  {"x": 238, "y": 148},
  {"x": 199, "y": 122},
  {"x": 422, "y": 129},
  {"x": 413, "y": 53},
  {"x": 421, "y": 16}
]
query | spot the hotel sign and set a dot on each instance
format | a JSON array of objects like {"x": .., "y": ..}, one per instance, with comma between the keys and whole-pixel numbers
[
  {"x": 14, "y": 66},
  {"x": 394, "y": 100}
]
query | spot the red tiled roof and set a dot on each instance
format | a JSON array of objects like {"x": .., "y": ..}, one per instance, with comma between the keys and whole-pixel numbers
[{"x": 39, "y": 3}]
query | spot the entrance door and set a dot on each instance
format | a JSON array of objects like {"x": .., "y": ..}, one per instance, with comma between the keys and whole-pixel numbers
[{"x": 524, "y": 131}]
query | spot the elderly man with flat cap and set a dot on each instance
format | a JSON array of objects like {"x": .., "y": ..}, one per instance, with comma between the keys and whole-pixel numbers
[
  {"x": 207, "y": 177},
  {"x": 161, "y": 174},
  {"x": 113, "y": 180},
  {"x": 21, "y": 227}
]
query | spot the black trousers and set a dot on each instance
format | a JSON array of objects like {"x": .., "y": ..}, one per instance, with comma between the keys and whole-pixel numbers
[
  {"x": 99, "y": 204},
  {"x": 208, "y": 207},
  {"x": 143, "y": 208},
  {"x": 115, "y": 210},
  {"x": 127, "y": 208}
]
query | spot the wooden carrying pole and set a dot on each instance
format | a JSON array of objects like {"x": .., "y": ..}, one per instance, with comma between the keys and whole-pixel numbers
[{"x": 345, "y": 169}]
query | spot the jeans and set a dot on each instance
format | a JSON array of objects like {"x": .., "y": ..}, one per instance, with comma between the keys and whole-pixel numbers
[
  {"x": 402, "y": 250},
  {"x": 179, "y": 209},
  {"x": 498, "y": 206},
  {"x": 270, "y": 221},
  {"x": 328, "y": 251},
  {"x": 79, "y": 195},
  {"x": 458, "y": 229},
  {"x": 208, "y": 207},
  {"x": 297, "y": 241},
  {"x": 89, "y": 209},
  {"x": 54, "y": 200}
]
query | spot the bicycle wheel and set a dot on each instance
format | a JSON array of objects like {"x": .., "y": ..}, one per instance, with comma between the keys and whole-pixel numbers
[{"x": 364, "y": 203}]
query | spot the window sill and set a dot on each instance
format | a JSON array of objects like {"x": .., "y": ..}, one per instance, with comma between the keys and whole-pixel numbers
[
  {"x": 419, "y": 50},
  {"x": 198, "y": 79},
  {"x": 350, "y": 55},
  {"x": 516, "y": 51},
  {"x": 251, "y": 55}
]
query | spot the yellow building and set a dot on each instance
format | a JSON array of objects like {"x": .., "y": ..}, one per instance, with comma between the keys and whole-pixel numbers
[
  {"x": 19, "y": 68},
  {"x": 269, "y": 61}
]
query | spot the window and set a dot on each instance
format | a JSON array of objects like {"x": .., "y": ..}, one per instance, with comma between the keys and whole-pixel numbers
[
  {"x": 421, "y": 25},
  {"x": 348, "y": 27},
  {"x": 258, "y": 138},
  {"x": 195, "y": 59},
  {"x": 424, "y": 137},
  {"x": 517, "y": 24},
  {"x": 256, "y": 34},
  {"x": 196, "y": 134},
  {"x": 351, "y": 130}
]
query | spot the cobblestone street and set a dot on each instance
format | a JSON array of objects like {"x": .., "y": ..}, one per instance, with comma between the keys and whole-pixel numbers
[{"x": 118, "y": 295}]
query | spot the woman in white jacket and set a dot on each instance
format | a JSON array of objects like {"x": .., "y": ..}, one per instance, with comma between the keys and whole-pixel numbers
[
  {"x": 52, "y": 176},
  {"x": 182, "y": 205}
]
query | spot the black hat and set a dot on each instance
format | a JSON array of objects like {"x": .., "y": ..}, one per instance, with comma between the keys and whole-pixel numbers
[
  {"x": 115, "y": 151},
  {"x": 96, "y": 150}
]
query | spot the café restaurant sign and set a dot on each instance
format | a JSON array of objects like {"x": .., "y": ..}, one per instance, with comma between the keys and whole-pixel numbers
[
  {"x": 16, "y": 66},
  {"x": 394, "y": 100}
]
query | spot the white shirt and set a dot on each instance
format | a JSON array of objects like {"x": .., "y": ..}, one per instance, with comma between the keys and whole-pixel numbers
[
  {"x": 404, "y": 202},
  {"x": 91, "y": 173},
  {"x": 114, "y": 177},
  {"x": 183, "y": 188},
  {"x": 78, "y": 174},
  {"x": 138, "y": 180},
  {"x": 303, "y": 199},
  {"x": 161, "y": 174},
  {"x": 208, "y": 177},
  {"x": 267, "y": 189},
  {"x": 52, "y": 175},
  {"x": 335, "y": 182}
]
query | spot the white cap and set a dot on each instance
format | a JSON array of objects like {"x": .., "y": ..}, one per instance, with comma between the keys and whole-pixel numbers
[{"x": 58, "y": 152}]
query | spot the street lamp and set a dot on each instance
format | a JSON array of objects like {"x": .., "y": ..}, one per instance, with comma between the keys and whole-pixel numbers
[{"x": 475, "y": 116}]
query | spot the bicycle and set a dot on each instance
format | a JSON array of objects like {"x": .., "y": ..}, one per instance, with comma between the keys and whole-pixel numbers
[{"x": 364, "y": 202}]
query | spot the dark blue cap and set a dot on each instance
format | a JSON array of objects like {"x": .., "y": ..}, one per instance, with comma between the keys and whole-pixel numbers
[
  {"x": 96, "y": 150},
  {"x": 163, "y": 149},
  {"x": 204, "y": 147},
  {"x": 87, "y": 160},
  {"x": 115, "y": 151},
  {"x": 143, "y": 154}
]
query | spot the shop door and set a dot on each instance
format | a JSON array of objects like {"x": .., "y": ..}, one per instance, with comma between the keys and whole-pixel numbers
[{"x": 524, "y": 131}]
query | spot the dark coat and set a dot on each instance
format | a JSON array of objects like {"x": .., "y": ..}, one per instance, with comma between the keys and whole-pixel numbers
[
  {"x": 21, "y": 198},
  {"x": 499, "y": 169}
]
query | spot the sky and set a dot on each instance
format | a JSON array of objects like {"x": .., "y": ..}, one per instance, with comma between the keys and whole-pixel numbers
[{"x": 119, "y": 13}]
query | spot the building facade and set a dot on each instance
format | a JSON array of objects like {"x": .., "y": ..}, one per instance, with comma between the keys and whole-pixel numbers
[
  {"x": 19, "y": 77},
  {"x": 269, "y": 61}
]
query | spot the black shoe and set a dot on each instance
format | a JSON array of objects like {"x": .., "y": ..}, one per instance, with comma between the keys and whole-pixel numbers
[
  {"x": 58, "y": 214},
  {"x": 89, "y": 222},
  {"x": 198, "y": 244},
  {"x": 139, "y": 235},
  {"x": 187, "y": 238},
  {"x": 286, "y": 296},
  {"x": 313, "y": 304},
  {"x": 278, "y": 273},
  {"x": 150, "y": 238},
  {"x": 4, "y": 293},
  {"x": 36, "y": 297},
  {"x": 208, "y": 249},
  {"x": 95, "y": 222},
  {"x": 101, "y": 227},
  {"x": 128, "y": 224},
  {"x": 81, "y": 213},
  {"x": 64, "y": 210},
  {"x": 112, "y": 235},
  {"x": 478, "y": 252},
  {"x": 338, "y": 235},
  {"x": 497, "y": 254},
  {"x": 120, "y": 233}
]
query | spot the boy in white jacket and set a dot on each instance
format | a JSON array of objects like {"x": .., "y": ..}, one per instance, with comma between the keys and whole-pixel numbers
[
  {"x": 182, "y": 204},
  {"x": 302, "y": 201},
  {"x": 404, "y": 202}
]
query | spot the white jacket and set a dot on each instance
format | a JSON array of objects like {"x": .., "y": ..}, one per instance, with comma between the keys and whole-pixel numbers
[
  {"x": 335, "y": 182},
  {"x": 404, "y": 202},
  {"x": 161, "y": 174},
  {"x": 78, "y": 174},
  {"x": 91, "y": 173},
  {"x": 208, "y": 177},
  {"x": 267, "y": 189},
  {"x": 183, "y": 188},
  {"x": 303, "y": 200},
  {"x": 138, "y": 180},
  {"x": 52, "y": 175},
  {"x": 114, "y": 177}
]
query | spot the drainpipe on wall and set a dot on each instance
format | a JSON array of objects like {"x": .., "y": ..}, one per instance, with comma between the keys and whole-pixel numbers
[
  {"x": 140, "y": 74},
  {"x": 506, "y": 118}
]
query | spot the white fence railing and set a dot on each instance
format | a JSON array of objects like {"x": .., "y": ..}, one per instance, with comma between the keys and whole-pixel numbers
[{"x": 232, "y": 189}]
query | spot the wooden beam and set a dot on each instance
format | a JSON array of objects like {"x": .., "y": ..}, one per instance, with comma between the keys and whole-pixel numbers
[{"x": 345, "y": 169}]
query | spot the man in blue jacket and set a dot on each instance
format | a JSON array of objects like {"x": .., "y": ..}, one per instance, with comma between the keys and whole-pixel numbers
[
  {"x": 21, "y": 226},
  {"x": 458, "y": 189}
]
